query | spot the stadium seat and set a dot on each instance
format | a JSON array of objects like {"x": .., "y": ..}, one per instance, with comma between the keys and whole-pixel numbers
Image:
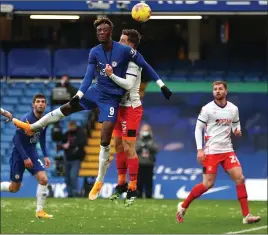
[
  {"x": 38, "y": 85},
  {"x": 10, "y": 100},
  {"x": 31, "y": 92},
  {"x": 8, "y": 107},
  {"x": 234, "y": 77},
  {"x": 6, "y": 138},
  {"x": 14, "y": 92},
  {"x": 29, "y": 63},
  {"x": 24, "y": 108},
  {"x": 72, "y": 62},
  {"x": 19, "y": 85},
  {"x": 2, "y": 64}
]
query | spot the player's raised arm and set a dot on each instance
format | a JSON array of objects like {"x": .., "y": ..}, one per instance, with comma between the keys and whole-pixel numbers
[
  {"x": 136, "y": 57},
  {"x": 6, "y": 114},
  {"x": 89, "y": 74},
  {"x": 131, "y": 75}
]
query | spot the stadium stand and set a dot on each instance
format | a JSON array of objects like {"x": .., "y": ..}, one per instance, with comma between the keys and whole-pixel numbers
[{"x": 22, "y": 63}]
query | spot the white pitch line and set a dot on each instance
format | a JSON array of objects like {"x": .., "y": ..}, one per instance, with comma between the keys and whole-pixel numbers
[{"x": 248, "y": 230}]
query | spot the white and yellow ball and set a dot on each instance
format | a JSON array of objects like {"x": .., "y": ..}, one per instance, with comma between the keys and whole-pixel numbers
[{"x": 141, "y": 12}]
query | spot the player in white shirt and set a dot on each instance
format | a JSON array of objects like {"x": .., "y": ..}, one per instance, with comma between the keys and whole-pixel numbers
[
  {"x": 128, "y": 121},
  {"x": 6, "y": 114},
  {"x": 219, "y": 118}
]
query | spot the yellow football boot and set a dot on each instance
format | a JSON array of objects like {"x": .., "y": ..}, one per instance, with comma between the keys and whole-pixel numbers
[
  {"x": 43, "y": 215},
  {"x": 94, "y": 193},
  {"x": 23, "y": 125}
]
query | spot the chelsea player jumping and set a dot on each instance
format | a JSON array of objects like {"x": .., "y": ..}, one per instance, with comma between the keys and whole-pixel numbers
[
  {"x": 24, "y": 155},
  {"x": 105, "y": 94}
]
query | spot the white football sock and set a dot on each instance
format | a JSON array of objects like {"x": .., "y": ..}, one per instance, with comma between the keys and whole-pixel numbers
[
  {"x": 5, "y": 186},
  {"x": 49, "y": 118},
  {"x": 41, "y": 195},
  {"x": 103, "y": 162}
]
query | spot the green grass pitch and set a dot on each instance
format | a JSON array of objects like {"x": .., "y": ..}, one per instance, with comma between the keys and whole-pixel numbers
[{"x": 145, "y": 216}]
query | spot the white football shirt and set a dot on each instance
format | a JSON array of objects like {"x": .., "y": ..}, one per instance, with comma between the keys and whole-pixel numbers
[
  {"x": 132, "y": 96},
  {"x": 219, "y": 122}
]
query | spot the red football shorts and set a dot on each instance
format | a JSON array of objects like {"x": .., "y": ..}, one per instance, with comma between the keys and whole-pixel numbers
[
  {"x": 128, "y": 122},
  {"x": 227, "y": 160}
]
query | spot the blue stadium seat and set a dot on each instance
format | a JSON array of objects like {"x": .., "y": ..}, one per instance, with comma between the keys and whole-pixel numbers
[
  {"x": 24, "y": 108},
  {"x": 37, "y": 85},
  {"x": 234, "y": 77},
  {"x": 8, "y": 107},
  {"x": 6, "y": 138},
  {"x": 72, "y": 62},
  {"x": 3, "y": 153},
  {"x": 252, "y": 77},
  {"x": 29, "y": 63},
  {"x": 19, "y": 85},
  {"x": 31, "y": 92},
  {"x": 14, "y": 92},
  {"x": 10, "y": 100},
  {"x": 2, "y": 64},
  {"x": 5, "y": 145}
]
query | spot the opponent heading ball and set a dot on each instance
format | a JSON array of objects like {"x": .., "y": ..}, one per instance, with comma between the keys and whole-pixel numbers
[{"x": 141, "y": 12}]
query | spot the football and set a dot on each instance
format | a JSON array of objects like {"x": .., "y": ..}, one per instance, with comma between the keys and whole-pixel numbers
[{"x": 141, "y": 12}]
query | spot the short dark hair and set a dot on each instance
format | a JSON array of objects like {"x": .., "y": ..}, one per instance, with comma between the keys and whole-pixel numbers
[
  {"x": 133, "y": 36},
  {"x": 103, "y": 20},
  {"x": 39, "y": 96},
  {"x": 220, "y": 83}
]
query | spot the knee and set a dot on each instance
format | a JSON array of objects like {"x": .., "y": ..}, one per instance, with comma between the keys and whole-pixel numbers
[
  {"x": 43, "y": 180},
  {"x": 119, "y": 148},
  {"x": 13, "y": 188},
  {"x": 130, "y": 151},
  {"x": 240, "y": 179},
  {"x": 105, "y": 143},
  {"x": 208, "y": 183}
]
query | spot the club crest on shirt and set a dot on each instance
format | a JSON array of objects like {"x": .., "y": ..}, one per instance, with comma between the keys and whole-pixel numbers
[{"x": 114, "y": 64}]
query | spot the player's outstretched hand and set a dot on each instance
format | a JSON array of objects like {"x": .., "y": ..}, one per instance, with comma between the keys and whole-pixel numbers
[
  {"x": 166, "y": 92},
  {"x": 237, "y": 132},
  {"x": 200, "y": 156},
  {"x": 47, "y": 162},
  {"x": 108, "y": 70},
  {"x": 8, "y": 115},
  {"x": 74, "y": 102},
  {"x": 28, "y": 163}
]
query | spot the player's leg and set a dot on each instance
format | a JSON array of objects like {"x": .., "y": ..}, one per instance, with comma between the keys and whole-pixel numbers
[
  {"x": 232, "y": 166},
  {"x": 210, "y": 166},
  {"x": 38, "y": 171},
  {"x": 16, "y": 174},
  {"x": 121, "y": 164},
  {"x": 51, "y": 117},
  {"x": 106, "y": 135},
  {"x": 41, "y": 194},
  {"x": 132, "y": 119},
  {"x": 108, "y": 108}
]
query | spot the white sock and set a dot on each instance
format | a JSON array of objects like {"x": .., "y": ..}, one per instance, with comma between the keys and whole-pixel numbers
[
  {"x": 49, "y": 118},
  {"x": 103, "y": 162},
  {"x": 5, "y": 186},
  {"x": 41, "y": 195}
]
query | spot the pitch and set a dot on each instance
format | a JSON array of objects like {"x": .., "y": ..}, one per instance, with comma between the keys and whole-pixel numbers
[{"x": 145, "y": 216}]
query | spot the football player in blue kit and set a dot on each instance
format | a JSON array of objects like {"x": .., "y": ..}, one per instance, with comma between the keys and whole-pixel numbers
[
  {"x": 24, "y": 156},
  {"x": 105, "y": 94}
]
